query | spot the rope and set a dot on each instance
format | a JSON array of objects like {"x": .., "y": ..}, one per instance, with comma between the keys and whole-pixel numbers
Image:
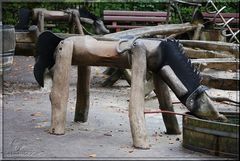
[{"x": 165, "y": 111}]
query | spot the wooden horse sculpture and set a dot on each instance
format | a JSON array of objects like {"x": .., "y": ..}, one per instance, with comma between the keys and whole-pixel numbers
[
  {"x": 164, "y": 58},
  {"x": 39, "y": 15}
]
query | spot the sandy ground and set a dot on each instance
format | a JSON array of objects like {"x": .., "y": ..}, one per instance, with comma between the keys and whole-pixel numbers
[{"x": 106, "y": 135}]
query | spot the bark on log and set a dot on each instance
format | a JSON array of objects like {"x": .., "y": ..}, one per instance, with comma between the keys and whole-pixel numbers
[
  {"x": 136, "y": 104},
  {"x": 212, "y": 45},
  {"x": 60, "y": 88},
  {"x": 165, "y": 103}
]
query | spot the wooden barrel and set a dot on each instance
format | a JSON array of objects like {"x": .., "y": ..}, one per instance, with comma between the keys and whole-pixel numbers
[
  {"x": 7, "y": 48},
  {"x": 212, "y": 137}
]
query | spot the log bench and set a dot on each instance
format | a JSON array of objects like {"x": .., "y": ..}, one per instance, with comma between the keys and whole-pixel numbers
[
  {"x": 216, "y": 29},
  {"x": 122, "y": 20}
]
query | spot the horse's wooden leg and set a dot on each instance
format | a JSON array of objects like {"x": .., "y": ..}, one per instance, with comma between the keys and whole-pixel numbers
[
  {"x": 165, "y": 102},
  {"x": 60, "y": 89},
  {"x": 136, "y": 105},
  {"x": 83, "y": 85}
]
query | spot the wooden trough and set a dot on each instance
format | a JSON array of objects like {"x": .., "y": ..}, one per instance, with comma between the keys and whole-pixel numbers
[{"x": 216, "y": 138}]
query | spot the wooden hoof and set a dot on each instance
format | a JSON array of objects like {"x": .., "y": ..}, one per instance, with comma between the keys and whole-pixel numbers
[
  {"x": 56, "y": 131},
  {"x": 142, "y": 147},
  {"x": 173, "y": 132}
]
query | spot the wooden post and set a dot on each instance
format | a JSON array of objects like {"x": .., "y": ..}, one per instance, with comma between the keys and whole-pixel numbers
[
  {"x": 60, "y": 89},
  {"x": 165, "y": 102},
  {"x": 41, "y": 21},
  {"x": 136, "y": 105},
  {"x": 197, "y": 32},
  {"x": 83, "y": 86}
]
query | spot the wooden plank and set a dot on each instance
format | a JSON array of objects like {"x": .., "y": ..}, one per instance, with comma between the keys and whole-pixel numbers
[
  {"x": 132, "y": 18},
  {"x": 133, "y": 13},
  {"x": 225, "y": 15},
  {"x": 216, "y": 63},
  {"x": 219, "y": 20}
]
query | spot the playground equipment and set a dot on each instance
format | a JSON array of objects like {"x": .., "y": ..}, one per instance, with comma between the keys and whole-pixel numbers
[{"x": 164, "y": 58}]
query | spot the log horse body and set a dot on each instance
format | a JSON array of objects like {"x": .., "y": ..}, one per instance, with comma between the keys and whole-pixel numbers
[{"x": 164, "y": 58}]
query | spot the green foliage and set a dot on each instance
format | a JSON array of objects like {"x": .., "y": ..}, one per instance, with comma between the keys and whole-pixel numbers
[{"x": 10, "y": 9}]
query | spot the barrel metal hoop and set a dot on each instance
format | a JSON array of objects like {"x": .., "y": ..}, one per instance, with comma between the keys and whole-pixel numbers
[{"x": 213, "y": 132}]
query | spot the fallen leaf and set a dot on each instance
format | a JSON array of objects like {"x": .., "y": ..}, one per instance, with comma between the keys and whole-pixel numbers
[
  {"x": 92, "y": 155},
  {"x": 38, "y": 126},
  {"x": 108, "y": 134},
  {"x": 37, "y": 114},
  {"x": 18, "y": 109}
]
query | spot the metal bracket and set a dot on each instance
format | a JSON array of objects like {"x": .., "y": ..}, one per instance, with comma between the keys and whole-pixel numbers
[{"x": 131, "y": 43}]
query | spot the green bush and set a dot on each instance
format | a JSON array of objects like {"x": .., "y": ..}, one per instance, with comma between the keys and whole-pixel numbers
[{"x": 10, "y": 9}]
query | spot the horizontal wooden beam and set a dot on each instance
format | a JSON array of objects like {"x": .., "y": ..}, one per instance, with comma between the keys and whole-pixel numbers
[
  {"x": 216, "y": 63},
  {"x": 212, "y": 45},
  {"x": 133, "y": 13},
  {"x": 221, "y": 79},
  {"x": 134, "y": 18}
]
